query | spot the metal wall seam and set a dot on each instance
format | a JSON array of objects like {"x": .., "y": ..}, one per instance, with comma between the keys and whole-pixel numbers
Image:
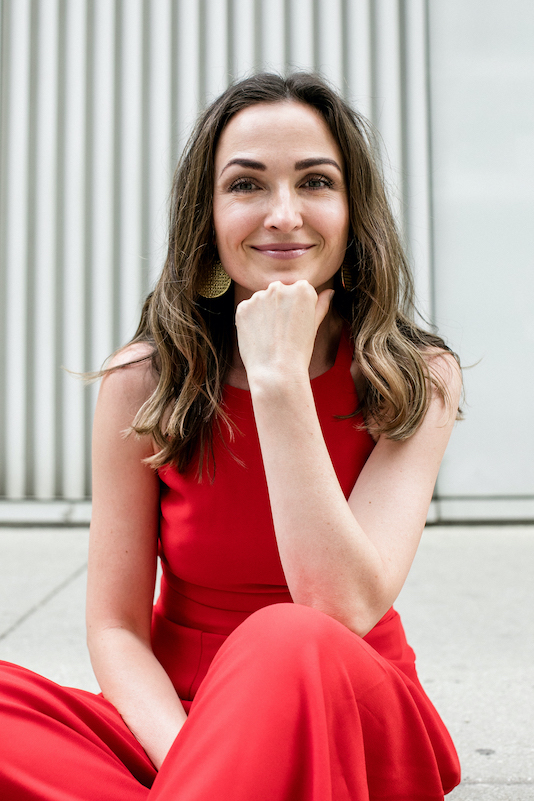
[
  {"x": 159, "y": 62},
  {"x": 359, "y": 56},
  {"x": 416, "y": 148},
  {"x": 301, "y": 34},
  {"x": 242, "y": 38},
  {"x": 131, "y": 275},
  {"x": 330, "y": 42},
  {"x": 102, "y": 123},
  {"x": 387, "y": 99},
  {"x": 45, "y": 331},
  {"x": 103, "y": 228},
  {"x": 187, "y": 80},
  {"x": 75, "y": 251},
  {"x": 17, "y": 224},
  {"x": 273, "y": 36},
  {"x": 214, "y": 54}
]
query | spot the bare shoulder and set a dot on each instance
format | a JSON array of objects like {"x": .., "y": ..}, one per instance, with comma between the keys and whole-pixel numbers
[
  {"x": 131, "y": 378},
  {"x": 444, "y": 368},
  {"x": 135, "y": 352},
  {"x": 130, "y": 381}
]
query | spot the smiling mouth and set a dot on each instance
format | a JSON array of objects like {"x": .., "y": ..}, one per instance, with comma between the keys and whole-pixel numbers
[{"x": 283, "y": 250}]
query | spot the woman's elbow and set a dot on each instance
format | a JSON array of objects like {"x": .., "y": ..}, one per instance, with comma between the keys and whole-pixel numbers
[{"x": 359, "y": 617}]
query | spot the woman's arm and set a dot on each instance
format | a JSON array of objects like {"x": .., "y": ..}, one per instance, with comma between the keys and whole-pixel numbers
[
  {"x": 348, "y": 559},
  {"x": 122, "y": 565}
]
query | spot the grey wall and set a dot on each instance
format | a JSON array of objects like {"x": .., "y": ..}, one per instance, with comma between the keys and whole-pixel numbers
[{"x": 482, "y": 127}]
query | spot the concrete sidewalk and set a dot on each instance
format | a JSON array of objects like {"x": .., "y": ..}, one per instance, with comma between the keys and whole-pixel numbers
[{"x": 468, "y": 608}]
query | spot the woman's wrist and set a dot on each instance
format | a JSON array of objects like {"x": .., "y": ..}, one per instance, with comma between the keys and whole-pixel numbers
[{"x": 278, "y": 384}]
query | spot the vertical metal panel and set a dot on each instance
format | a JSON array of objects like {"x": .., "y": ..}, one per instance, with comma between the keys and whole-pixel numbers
[
  {"x": 187, "y": 45},
  {"x": 131, "y": 277},
  {"x": 99, "y": 97},
  {"x": 45, "y": 269},
  {"x": 242, "y": 37},
  {"x": 75, "y": 248},
  {"x": 273, "y": 36},
  {"x": 102, "y": 307},
  {"x": 359, "y": 56},
  {"x": 160, "y": 129},
  {"x": 387, "y": 113},
  {"x": 16, "y": 250},
  {"x": 102, "y": 122},
  {"x": 416, "y": 149},
  {"x": 301, "y": 35},
  {"x": 330, "y": 42},
  {"x": 215, "y": 51}
]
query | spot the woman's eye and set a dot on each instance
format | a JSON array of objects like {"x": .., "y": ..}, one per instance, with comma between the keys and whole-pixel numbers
[
  {"x": 243, "y": 185},
  {"x": 318, "y": 182}
]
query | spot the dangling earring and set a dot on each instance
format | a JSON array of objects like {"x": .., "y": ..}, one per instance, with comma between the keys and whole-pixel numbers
[
  {"x": 346, "y": 277},
  {"x": 345, "y": 271},
  {"x": 215, "y": 282}
]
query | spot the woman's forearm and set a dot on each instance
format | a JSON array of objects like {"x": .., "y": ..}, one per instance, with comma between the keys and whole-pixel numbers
[
  {"x": 328, "y": 560},
  {"x": 135, "y": 683},
  {"x": 349, "y": 559}
]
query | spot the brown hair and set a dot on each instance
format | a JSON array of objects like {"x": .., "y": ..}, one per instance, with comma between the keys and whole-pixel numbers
[{"x": 192, "y": 336}]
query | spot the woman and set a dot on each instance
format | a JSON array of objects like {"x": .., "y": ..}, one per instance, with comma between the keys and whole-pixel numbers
[{"x": 283, "y": 466}]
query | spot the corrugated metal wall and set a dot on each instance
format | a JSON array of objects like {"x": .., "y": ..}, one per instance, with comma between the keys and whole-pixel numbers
[{"x": 97, "y": 100}]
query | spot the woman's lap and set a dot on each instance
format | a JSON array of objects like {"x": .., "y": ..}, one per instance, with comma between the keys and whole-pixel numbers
[{"x": 294, "y": 706}]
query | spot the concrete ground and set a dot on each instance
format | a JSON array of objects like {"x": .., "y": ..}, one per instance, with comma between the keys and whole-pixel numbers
[{"x": 468, "y": 609}]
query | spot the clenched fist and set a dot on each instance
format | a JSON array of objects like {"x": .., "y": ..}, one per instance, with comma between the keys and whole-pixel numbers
[{"x": 276, "y": 330}]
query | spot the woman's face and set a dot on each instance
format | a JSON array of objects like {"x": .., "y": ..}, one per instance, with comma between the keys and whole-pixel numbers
[{"x": 280, "y": 208}]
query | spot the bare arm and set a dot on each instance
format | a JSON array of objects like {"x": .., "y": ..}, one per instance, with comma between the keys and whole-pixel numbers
[
  {"x": 348, "y": 559},
  {"x": 122, "y": 567}
]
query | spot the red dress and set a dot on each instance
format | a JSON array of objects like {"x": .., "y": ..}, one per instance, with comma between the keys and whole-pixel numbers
[{"x": 284, "y": 703}]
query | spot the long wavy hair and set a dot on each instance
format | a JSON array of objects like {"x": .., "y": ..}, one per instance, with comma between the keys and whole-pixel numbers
[{"x": 192, "y": 338}]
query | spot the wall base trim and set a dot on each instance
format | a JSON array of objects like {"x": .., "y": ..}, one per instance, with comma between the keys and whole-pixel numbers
[
  {"x": 481, "y": 510},
  {"x": 442, "y": 511},
  {"x": 45, "y": 513}
]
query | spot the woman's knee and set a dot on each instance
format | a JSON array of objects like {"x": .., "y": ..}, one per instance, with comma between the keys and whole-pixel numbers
[
  {"x": 292, "y": 626},
  {"x": 292, "y": 645}
]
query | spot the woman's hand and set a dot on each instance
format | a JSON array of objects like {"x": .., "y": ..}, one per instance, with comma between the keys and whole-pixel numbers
[{"x": 276, "y": 330}]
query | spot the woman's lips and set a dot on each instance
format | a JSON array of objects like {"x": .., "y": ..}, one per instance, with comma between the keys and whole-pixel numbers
[{"x": 288, "y": 250}]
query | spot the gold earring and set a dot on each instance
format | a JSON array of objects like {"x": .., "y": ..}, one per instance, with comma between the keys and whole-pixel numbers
[
  {"x": 346, "y": 278},
  {"x": 215, "y": 283}
]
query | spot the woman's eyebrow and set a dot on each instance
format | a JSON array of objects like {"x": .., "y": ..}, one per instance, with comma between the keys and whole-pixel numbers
[
  {"x": 305, "y": 164},
  {"x": 250, "y": 163}
]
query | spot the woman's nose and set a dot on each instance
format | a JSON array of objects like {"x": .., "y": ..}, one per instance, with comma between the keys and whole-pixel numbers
[{"x": 284, "y": 213}]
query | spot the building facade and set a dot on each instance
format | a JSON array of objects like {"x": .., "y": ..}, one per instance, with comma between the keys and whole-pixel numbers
[{"x": 97, "y": 100}]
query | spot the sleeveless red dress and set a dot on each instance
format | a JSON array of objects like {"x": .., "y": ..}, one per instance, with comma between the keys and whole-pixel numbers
[{"x": 284, "y": 703}]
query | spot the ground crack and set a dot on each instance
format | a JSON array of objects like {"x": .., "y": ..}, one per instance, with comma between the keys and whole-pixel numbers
[{"x": 78, "y": 572}]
